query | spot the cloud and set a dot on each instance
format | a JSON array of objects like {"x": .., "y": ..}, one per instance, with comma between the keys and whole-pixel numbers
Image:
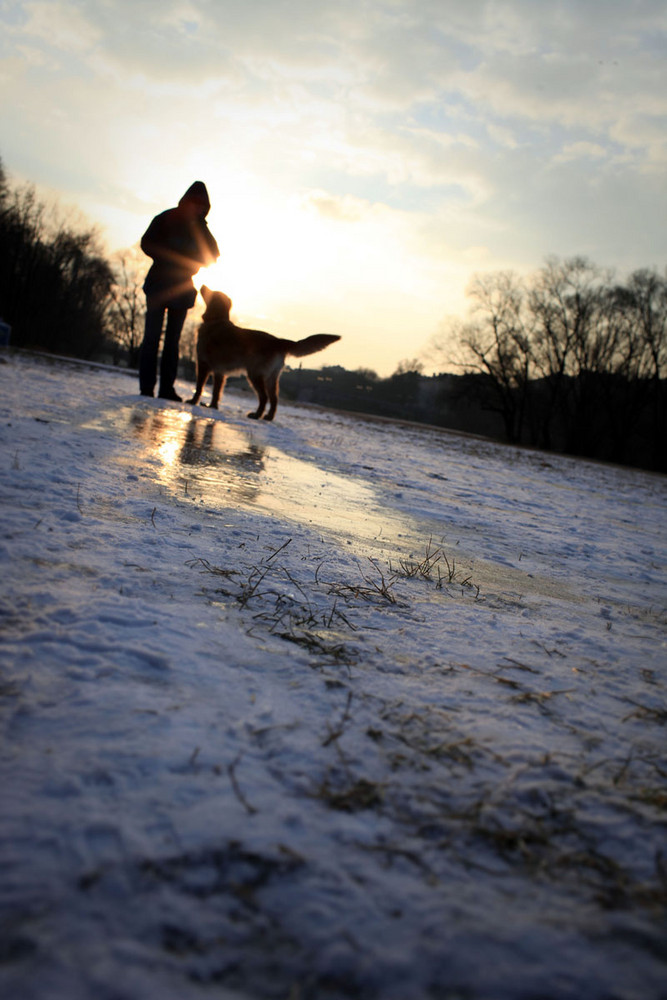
[
  {"x": 61, "y": 28},
  {"x": 581, "y": 151},
  {"x": 449, "y": 136},
  {"x": 345, "y": 209}
]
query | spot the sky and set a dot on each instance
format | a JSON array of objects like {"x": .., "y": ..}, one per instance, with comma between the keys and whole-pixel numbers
[{"x": 364, "y": 158}]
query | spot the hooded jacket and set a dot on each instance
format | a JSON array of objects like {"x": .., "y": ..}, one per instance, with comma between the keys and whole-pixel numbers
[{"x": 179, "y": 243}]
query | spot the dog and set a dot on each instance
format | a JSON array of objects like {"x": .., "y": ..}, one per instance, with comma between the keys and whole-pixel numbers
[{"x": 226, "y": 349}]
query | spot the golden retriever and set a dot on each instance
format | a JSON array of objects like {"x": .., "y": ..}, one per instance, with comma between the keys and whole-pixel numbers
[{"x": 226, "y": 349}]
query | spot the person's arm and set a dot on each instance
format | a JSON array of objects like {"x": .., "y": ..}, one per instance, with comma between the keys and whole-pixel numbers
[
  {"x": 207, "y": 247},
  {"x": 215, "y": 250},
  {"x": 153, "y": 241}
]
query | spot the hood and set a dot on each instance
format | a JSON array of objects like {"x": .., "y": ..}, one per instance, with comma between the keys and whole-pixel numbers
[{"x": 198, "y": 195}]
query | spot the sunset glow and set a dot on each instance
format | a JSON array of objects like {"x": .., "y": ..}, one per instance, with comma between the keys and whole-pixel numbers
[{"x": 363, "y": 169}]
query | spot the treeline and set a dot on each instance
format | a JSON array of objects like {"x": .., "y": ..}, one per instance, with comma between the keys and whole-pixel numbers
[
  {"x": 567, "y": 360},
  {"x": 572, "y": 360},
  {"x": 459, "y": 402},
  {"x": 54, "y": 281}
]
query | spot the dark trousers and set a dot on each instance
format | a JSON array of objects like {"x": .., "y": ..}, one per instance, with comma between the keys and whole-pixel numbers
[{"x": 151, "y": 344}]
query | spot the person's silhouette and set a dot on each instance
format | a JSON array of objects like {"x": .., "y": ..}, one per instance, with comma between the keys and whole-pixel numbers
[{"x": 179, "y": 243}]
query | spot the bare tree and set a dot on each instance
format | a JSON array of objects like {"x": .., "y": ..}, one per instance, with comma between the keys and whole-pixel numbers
[
  {"x": 497, "y": 345},
  {"x": 54, "y": 281},
  {"x": 647, "y": 292},
  {"x": 22, "y": 223},
  {"x": 188, "y": 341},
  {"x": 127, "y": 308},
  {"x": 647, "y": 299},
  {"x": 568, "y": 343},
  {"x": 409, "y": 366},
  {"x": 4, "y": 186}
]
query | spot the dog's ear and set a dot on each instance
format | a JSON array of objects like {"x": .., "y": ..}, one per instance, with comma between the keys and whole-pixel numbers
[{"x": 205, "y": 293}]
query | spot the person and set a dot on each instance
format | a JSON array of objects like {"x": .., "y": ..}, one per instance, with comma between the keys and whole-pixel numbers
[{"x": 179, "y": 243}]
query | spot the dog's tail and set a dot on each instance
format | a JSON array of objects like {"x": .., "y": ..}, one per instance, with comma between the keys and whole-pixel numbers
[{"x": 310, "y": 345}]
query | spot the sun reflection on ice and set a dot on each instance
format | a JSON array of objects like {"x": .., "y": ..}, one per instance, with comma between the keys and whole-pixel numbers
[
  {"x": 221, "y": 465},
  {"x": 172, "y": 433}
]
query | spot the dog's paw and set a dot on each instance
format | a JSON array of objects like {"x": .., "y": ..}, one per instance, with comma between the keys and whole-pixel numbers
[
  {"x": 253, "y": 415},
  {"x": 192, "y": 402},
  {"x": 211, "y": 406}
]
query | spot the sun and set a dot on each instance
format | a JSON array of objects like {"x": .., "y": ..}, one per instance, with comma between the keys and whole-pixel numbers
[
  {"x": 270, "y": 250},
  {"x": 215, "y": 276}
]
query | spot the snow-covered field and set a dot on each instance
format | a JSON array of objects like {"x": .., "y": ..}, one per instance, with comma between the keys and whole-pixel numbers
[{"x": 325, "y": 708}]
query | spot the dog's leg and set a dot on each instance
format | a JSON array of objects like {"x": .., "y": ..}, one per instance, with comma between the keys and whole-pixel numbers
[
  {"x": 203, "y": 372},
  {"x": 218, "y": 386},
  {"x": 272, "y": 386},
  {"x": 257, "y": 382}
]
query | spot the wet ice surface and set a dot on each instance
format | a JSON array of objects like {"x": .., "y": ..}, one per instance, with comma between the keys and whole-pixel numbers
[
  {"x": 328, "y": 707},
  {"x": 232, "y": 467}
]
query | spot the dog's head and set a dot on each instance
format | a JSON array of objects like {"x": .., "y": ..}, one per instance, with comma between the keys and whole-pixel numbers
[{"x": 218, "y": 305}]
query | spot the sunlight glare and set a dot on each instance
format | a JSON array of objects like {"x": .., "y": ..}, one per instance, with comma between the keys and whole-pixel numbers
[
  {"x": 171, "y": 442},
  {"x": 292, "y": 268},
  {"x": 268, "y": 248},
  {"x": 277, "y": 250}
]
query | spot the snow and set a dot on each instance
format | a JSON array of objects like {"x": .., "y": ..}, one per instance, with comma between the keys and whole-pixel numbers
[{"x": 329, "y": 707}]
